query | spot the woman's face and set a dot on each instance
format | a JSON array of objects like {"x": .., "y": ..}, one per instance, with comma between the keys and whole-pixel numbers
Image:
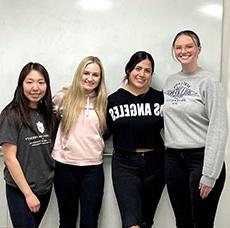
[
  {"x": 34, "y": 87},
  {"x": 186, "y": 50},
  {"x": 141, "y": 75},
  {"x": 91, "y": 77}
]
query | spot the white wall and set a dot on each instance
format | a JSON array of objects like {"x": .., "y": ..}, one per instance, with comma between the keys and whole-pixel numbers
[
  {"x": 60, "y": 34},
  {"x": 223, "y": 218}
]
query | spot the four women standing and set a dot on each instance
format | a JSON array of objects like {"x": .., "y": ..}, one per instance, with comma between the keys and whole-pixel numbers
[{"x": 195, "y": 135}]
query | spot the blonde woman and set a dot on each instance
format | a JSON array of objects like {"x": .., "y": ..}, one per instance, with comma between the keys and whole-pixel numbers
[{"x": 79, "y": 145}]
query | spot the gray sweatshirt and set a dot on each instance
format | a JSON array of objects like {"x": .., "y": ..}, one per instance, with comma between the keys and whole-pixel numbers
[{"x": 195, "y": 116}]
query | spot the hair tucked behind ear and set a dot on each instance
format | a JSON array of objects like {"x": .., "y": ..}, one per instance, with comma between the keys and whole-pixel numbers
[{"x": 135, "y": 59}]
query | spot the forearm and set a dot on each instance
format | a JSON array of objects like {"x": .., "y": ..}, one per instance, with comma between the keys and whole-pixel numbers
[
  {"x": 18, "y": 176},
  {"x": 14, "y": 167}
]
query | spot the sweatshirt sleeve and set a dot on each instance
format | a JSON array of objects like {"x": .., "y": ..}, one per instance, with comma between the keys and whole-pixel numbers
[
  {"x": 108, "y": 121},
  {"x": 217, "y": 132},
  {"x": 57, "y": 101}
]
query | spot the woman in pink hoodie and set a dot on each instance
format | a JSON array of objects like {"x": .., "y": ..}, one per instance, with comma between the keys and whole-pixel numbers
[{"x": 79, "y": 145}]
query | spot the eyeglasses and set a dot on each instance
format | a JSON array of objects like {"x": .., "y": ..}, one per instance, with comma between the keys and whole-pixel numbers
[{"x": 184, "y": 47}]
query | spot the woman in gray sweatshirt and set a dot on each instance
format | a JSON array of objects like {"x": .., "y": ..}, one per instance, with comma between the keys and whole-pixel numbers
[{"x": 195, "y": 121}]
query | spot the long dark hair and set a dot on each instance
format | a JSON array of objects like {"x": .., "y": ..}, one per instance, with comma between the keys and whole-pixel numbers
[
  {"x": 20, "y": 103},
  {"x": 135, "y": 59}
]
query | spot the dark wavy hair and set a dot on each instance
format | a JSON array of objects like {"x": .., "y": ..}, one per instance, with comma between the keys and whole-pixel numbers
[
  {"x": 20, "y": 103},
  {"x": 135, "y": 59}
]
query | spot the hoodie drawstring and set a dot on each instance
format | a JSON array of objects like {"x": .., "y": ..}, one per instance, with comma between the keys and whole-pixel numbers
[{"x": 87, "y": 107}]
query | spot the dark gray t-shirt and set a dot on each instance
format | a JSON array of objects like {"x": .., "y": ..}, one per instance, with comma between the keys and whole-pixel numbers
[{"x": 33, "y": 151}]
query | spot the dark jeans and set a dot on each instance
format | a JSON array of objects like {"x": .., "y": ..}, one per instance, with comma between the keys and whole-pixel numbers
[
  {"x": 138, "y": 182},
  {"x": 20, "y": 214},
  {"x": 74, "y": 183},
  {"x": 183, "y": 173}
]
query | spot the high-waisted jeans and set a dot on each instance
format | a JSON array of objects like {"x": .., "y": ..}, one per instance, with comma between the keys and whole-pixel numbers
[
  {"x": 79, "y": 183},
  {"x": 183, "y": 174},
  {"x": 138, "y": 180}
]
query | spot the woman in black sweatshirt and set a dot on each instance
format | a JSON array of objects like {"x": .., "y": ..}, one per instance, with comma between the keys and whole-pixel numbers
[{"x": 135, "y": 122}]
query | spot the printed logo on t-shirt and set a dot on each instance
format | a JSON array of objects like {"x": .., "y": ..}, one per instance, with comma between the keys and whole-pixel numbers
[{"x": 40, "y": 126}]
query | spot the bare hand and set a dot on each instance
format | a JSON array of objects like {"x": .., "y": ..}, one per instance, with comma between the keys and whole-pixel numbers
[
  {"x": 33, "y": 203},
  {"x": 204, "y": 190}
]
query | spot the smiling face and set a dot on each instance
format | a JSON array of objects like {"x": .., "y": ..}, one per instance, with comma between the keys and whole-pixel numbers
[
  {"x": 140, "y": 76},
  {"x": 186, "y": 51},
  {"x": 91, "y": 77},
  {"x": 34, "y": 87}
]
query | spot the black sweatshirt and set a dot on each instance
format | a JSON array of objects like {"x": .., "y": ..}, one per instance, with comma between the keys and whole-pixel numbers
[{"x": 135, "y": 121}]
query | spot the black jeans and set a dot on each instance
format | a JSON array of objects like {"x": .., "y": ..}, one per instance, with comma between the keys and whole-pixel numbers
[
  {"x": 74, "y": 183},
  {"x": 20, "y": 214},
  {"x": 183, "y": 173},
  {"x": 138, "y": 181}
]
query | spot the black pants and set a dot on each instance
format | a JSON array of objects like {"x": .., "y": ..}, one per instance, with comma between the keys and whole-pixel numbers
[
  {"x": 138, "y": 181},
  {"x": 20, "y": 214},
  {"x": 183, "y": 173},
  {"x": 79, "y": 183}
]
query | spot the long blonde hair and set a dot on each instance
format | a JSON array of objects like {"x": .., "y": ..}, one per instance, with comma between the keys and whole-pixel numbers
[{"x": 74, "y": 98}]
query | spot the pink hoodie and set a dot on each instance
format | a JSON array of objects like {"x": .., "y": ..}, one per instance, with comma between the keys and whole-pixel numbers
[{"x": 84, "y": 145}]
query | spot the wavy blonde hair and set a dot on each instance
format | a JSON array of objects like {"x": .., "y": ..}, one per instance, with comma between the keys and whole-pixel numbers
[{"x": 74, "y": 97}]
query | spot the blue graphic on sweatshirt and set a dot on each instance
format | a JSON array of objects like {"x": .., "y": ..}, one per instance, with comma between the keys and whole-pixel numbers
[{"x": 180, "y": 91}]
